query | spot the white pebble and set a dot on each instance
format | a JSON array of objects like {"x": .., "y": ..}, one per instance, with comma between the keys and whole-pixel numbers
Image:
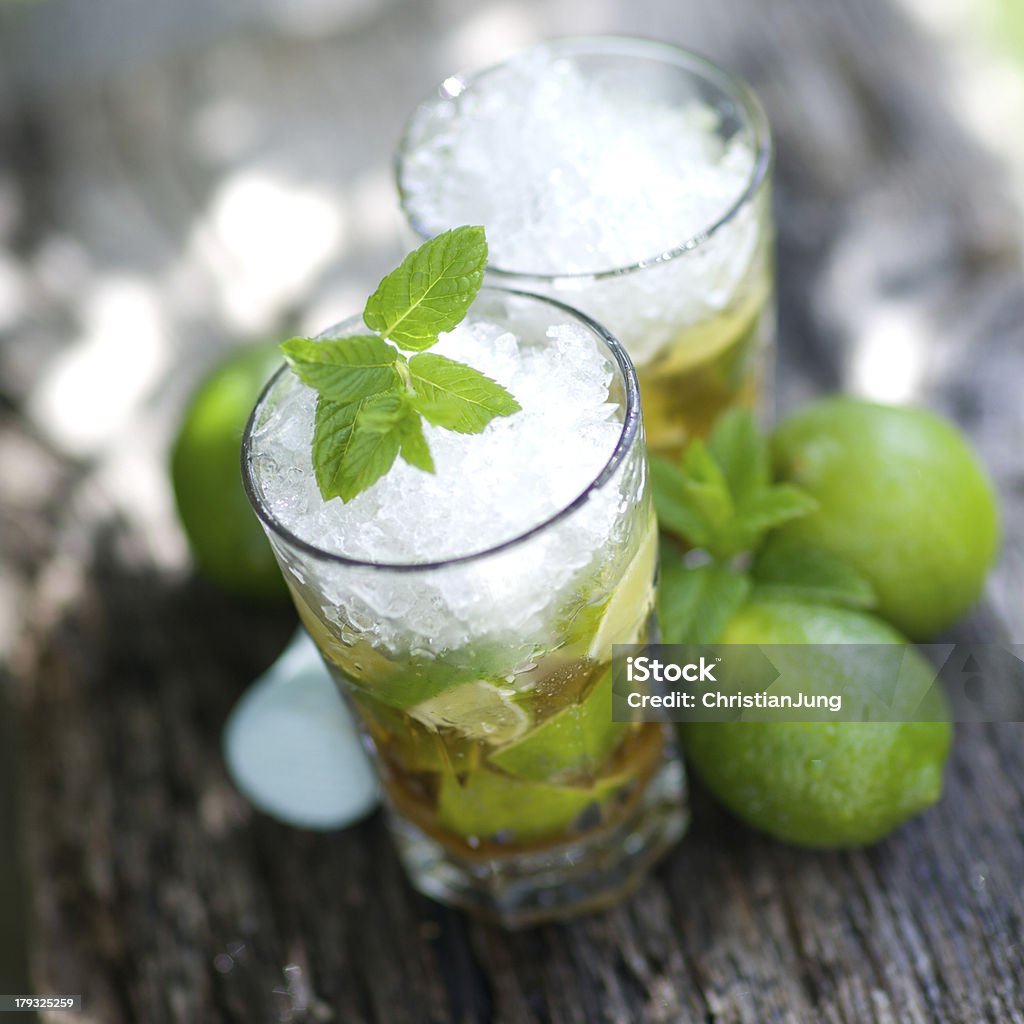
[{"x": 292, "y": 748}]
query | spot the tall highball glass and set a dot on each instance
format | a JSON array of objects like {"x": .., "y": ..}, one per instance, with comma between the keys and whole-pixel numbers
[{"x": 482, "y": 680}]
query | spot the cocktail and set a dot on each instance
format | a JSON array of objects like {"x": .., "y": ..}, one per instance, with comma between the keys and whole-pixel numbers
[
  {"x": 632, "y": 180},
  {"x": 469, "y": 614}
]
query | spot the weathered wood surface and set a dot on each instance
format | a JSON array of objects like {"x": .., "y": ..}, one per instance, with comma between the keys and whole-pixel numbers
[{"x": 158, "y": 894}]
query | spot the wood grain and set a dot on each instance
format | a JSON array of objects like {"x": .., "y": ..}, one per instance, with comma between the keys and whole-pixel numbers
[{"x": 161, "y": 896}]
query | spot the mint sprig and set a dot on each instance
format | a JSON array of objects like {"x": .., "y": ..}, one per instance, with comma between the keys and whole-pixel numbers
[
  {"x": 720, "y": 500},
  {"x": 372, "y": 398},
  {"x": 720, "y": 497}
]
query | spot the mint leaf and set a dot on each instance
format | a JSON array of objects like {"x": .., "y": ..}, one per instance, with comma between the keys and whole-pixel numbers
[
  {"x": 455, "y": 396},
  {"x": 414, "y": 448},
  {"x": 344, "y": 370},
  {"x": 333, "y": 429},
  {"x": 696, "y": 604},
  {"x": 706, "y": 487},
  {"x": 354, "y": 445},
  {"x": 765, "y": 510},
  {"x": 720, "y": 497},
  {"x": 741, "y": 452},
  {"x": 794, "y": 569},
  {"x": 431, "y": 291},
  {"x": 384, "y": 413},
  {"x": 372, "y": 399},
  {"x": 671, "y": 503},
  {"x": 376, "y": 441}
]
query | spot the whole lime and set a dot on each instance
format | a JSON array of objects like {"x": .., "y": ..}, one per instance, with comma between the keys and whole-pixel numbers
[
  {"x": 902, "y": 498},
  {"x": 224, "y": 534},
  {"x": 823, "y": 783}
]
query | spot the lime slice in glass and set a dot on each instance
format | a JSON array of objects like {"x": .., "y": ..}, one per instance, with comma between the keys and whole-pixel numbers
[
  {"x": 477, "y": 710},
  {"x": 574, "y": 741},
  {"x": 627, "y": 609},
  {"x": 485, "y": 804},
  {"x": 407, "y": 682}
]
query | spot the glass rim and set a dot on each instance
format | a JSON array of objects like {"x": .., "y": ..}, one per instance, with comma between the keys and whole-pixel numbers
[
  {"x": 627, "y": 436},
  {"x": 621, "y": 45}
]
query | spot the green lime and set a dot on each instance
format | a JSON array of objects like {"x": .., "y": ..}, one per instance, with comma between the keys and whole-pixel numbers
[
  {"x": 485, "y": 804},
  {"x": 616, "y": 606},
  {"x": 476, "y": 711},
  {"x": 629, "y": 607},
  {"x": 902, "y": 499},
  {"x": 573, "y": 741},
  {"x": 226, "y": 538},
  {"x": 824, "y": 784}
]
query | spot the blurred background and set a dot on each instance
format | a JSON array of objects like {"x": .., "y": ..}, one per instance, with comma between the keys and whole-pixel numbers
[{"x": 180, "y": 179}]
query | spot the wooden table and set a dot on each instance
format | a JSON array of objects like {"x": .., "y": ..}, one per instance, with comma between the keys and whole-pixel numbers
[{"x": 154, "y": 889}]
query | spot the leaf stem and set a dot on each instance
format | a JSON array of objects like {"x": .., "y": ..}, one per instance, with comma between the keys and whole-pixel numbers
[{"x": 402, "y": 366}]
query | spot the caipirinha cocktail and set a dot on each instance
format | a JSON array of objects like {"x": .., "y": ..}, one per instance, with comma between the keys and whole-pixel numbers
[
  {"x": 490, "y": 754},
  {"x": 630, "y": 179},
  {"x": 469, "y": 617}
]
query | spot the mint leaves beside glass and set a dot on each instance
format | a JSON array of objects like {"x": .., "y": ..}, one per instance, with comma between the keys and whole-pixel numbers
[
  {"x": 718, "y": 509},
  {"x": 720, "y": 497},
  {"x": 372, "y": 397}
]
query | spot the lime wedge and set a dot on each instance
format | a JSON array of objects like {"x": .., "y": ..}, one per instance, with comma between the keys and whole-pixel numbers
[
  {"x": 487, "y": 803},
  {"x": 573, "y": 741},
  {"x": 701, "y": 342},
  {"x": 627, "y": 610},
  {"x": 477, "y": 711},
  {"x": 402, "y": 682}
]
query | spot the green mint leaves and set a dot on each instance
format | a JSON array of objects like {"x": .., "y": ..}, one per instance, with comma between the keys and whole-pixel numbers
[
  {"x": 346, "y": 370},
  {"x": 431, "y": 291},
  {"x": 795, "y": 570},
  {"x": 720, "y": 500},
  {"x": 695, "y": 604},
  {"x": 372, "y": 399},
  {"x": 455, "y": 396}
]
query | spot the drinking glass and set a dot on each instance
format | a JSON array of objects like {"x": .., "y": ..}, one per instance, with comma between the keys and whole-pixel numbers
[{"x": 482, "y": 682}]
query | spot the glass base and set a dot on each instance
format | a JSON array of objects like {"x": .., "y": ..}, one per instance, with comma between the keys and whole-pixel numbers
[{"x": 527, "y": 887}]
